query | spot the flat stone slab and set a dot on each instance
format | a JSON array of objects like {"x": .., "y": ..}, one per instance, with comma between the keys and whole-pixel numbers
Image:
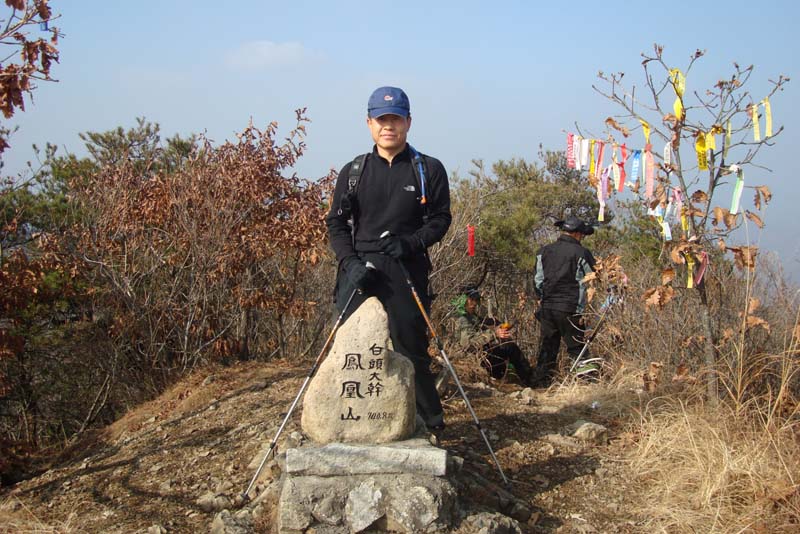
[
  {"x": 406, "y": 503},
  {"x": 339, "y": 459}
]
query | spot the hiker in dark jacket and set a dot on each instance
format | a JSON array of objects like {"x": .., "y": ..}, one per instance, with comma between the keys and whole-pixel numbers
[
  {"x": 494, "y": 339},
  {"x": 560, "y": 269},
  {"x": 397, "y": 214}
]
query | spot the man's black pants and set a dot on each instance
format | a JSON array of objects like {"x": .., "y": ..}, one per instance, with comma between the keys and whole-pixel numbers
[
  {"x": 407, "y": 327},
  {"x": 555, "y": 326},
  {"x": 498, "y": 357}
]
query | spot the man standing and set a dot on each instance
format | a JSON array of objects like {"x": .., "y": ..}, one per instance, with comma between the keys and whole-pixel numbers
[
  {"x": 494, "y": 339},
  {"x": 560, "y": 269},
  {"x": 389, "y": 207}
]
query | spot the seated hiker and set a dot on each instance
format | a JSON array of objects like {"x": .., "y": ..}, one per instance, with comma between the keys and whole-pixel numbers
[{"x": 494, "y": 339}]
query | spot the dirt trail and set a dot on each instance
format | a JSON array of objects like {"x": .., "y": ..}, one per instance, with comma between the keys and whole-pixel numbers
[{"x": 151, "y": 467}]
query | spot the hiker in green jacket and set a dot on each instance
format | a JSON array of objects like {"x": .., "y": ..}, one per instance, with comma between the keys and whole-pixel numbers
[{"x": 494, "y": 339}]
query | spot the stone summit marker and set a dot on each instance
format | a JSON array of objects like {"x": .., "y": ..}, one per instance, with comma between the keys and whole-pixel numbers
[
  {"x": 363, "y": 473},
  {"x": 363, "y": 391}
]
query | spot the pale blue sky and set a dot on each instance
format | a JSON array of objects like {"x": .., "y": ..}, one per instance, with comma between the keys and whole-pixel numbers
[{"x": 489, "y": 80}]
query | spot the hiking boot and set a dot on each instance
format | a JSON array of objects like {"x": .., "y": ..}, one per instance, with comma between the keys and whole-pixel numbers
[
  {"x": 588, "y": 370},
  {"x": 436, "y": 435}
]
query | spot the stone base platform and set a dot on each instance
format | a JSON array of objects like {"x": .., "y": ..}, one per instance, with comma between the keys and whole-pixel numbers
[{"x": 348, "y": 488}]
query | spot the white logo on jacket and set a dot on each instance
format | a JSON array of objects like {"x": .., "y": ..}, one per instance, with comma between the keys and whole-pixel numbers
[{"x": 410, "y": 188}]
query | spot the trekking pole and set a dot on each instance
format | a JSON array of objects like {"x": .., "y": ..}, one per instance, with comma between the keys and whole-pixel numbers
[
  {"x": 594, "y": 334},
  {"x": 302, "y": 389},
  {"x": 440, "y": 346}
]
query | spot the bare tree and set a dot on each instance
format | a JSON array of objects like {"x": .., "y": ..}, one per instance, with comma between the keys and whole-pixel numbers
[{"x": 684, "y": 190}]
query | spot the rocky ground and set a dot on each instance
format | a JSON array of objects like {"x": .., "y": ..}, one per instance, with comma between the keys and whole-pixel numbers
[{"x": 174, "y": 463}]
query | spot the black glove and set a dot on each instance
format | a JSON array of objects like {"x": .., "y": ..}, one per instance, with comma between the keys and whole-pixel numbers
[
  {"x": 400, "y": 246},
  {"x": 358, "y": 274}
]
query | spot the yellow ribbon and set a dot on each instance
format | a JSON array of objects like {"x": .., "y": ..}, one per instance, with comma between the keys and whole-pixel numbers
[
  {"x": 646, "y": 130},
  {"x": 591, "y": 158},
  {"x": 679, "y": 83},
  {"x": 756, "y": 127},
  {"x": 711, "y": 143},
  {"x": 684, "y": 221},
  {"x": 768, "y": 113},
  {"x": 690, "y": 271},
  {"x": 700, "y": 148}
]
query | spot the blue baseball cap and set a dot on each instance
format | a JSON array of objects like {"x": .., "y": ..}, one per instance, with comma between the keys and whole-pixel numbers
[{"x": 388, "y": 101}]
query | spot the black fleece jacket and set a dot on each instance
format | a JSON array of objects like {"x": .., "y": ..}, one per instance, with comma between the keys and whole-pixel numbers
[
  {"x": 388, "y": 198},
  {"x": 560, "y": 267}
]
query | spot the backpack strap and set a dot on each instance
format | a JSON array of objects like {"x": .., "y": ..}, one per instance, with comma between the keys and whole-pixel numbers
[
  {"x": 419, "y": 166},
  {"x": 348, "y": 204},
  {"x": 356, "y": 170}
]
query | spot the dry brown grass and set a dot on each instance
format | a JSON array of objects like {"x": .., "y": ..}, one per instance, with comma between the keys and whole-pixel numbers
[
  {"x": 708, "y": 471},
  {"x": 729, "y": 467},
  {"x": 16, "y": 518},
  {"x": 725, "y": 467}
]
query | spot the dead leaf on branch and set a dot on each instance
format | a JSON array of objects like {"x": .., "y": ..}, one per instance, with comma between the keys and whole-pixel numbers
[
  {"x": 731, "y": 220},
  {"x": 679, "y": 252},
  {"x": 695, "y": 340},
  {"x": 652, "y": 377},
  {"x": 765, "y": 193},
  {"x": 667, "y": 276},
  {"x": 589, "y": 277},
  {"x": 719, "y": 215},
  {"x": 755, "y": 218},
  {"x": 727, "y": 335},
  {"x": 692, "y": 211},
  {"x": 682, "y": 375},
  {"x": 744, "y": 257},
  {"x": 658, "y": 296},
  {"x": 610, "y": 122},
  {"x": 19, "y": 5},
  {"x": 700, "y": 196},
  {"x": 753, "y": 305},
  {"x": 752, "y": 321},
  {"x": 590, "y": 294},
  {"x": 614, "y": 332}
]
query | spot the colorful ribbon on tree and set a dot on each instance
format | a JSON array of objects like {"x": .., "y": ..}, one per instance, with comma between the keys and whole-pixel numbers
[
  {"x": 570, "y": 151},
  {"x": 624, "y": 154},
  {"x": 679, "y": 84},
  {"x": 649, "y": 171},
  {"x": 700, "y": 148},
  {"x": 737, "y": 189}
]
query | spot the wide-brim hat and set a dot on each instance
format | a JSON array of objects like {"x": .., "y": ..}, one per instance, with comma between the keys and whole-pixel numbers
[{"x": 574, "y": 224}]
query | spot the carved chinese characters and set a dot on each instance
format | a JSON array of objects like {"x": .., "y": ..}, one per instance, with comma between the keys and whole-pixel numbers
[{"x": 363, "y": 392}]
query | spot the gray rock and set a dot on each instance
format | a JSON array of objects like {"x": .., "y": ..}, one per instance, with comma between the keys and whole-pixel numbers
[
  {"x": 363, "y": 392},
  {"x": 590, "y": 432},
  {"x": 211, "y": 502},
  {"x": 520, "y": 511},
  {"x": 491, "y": 523},
  {"x": 344, "y": 459},
  {"x": 227, "y": 523},
  {"x": 365, "y": 505},
  {"x": 329, "y": 510},
  {"x": 562, "y": 441},
  {"x": 156, "y": 529},
  {"x": 416, "y": 510},
  {"x": 397, "y": 502}
]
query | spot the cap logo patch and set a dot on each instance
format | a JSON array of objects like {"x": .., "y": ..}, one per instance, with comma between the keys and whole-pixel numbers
[{"x": 388, "y": 98}]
